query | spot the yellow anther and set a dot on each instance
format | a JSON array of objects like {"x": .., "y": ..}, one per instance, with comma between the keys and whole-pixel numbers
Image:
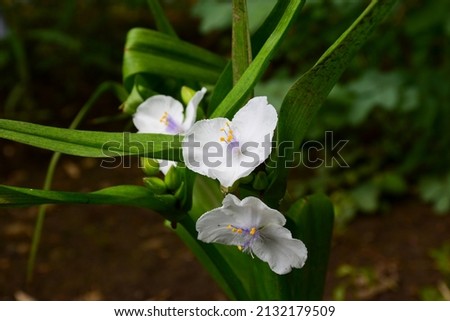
[
  {"x": 234, "y": 229},
  {"x": 228, "y": 138},
  {"x": 253, "y": 231},
  {"x": 239, "y": 248},
  {"x": 164, "y": 118}
]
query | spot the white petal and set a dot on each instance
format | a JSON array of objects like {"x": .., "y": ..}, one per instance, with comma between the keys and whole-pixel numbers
[
  {"x": 231, "y": 200},
  {"x": 202, "y": 148},
  {"x": 277, "y": 247},
  {"x": 213, "y": 225},
  {"x": 191, "y": 109},
  {"x": 254, "y": 125},
  {"x": 255, "y": 120},
  {"x": 248, "y": 213},
  {"x": 266, "y": 215},
  {"x": 231, "y": 168},
  {"x": 147, "y": 118},
  {"x": 205, "y": 152}
]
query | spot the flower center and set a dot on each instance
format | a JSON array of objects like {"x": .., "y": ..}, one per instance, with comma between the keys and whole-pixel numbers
[
  {"x": 228, "y": 134},
  {"x": 248, "y": 236},
  {"x": 172, "y": 126}
]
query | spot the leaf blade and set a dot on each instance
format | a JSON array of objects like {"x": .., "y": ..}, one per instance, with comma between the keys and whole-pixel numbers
[
  {"x": 313, "y": 219},
  {"x": 92, "y": 143},
  {"x": 237, "y": 95},
  {"x": 152, "y": 52}
]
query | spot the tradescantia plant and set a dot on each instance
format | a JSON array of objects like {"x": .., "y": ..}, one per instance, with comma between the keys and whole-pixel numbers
[{"x": 258, "y": 244}]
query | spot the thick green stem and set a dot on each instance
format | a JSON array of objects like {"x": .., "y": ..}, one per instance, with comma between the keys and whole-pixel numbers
[{"x": 241, "y": 53}]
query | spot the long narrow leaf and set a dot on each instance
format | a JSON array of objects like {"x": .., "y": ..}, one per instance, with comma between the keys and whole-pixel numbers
[
  {"x": 129, "y": 195},
  {"x": 308, "y": 94},
  {"x": 92, "y": 143},
  {"x": 225, "y": 82},
  {"x": 236, "y": 97},
  {"x": 313, "y": 219}
]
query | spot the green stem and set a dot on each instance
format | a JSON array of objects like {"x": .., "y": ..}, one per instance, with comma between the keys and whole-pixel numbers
[
  {"x": 241, "y": 53},
  {"x": 106, "y": 86}
]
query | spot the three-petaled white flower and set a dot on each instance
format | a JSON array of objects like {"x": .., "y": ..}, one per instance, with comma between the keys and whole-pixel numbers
[
  {"x": 254, "y": 228},
  {"x": 229, "y": 150},
  {"x": 161, "y": 114}
]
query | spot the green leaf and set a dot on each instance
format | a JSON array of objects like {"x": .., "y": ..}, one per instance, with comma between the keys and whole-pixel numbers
[
  {"x": 225, "y": 82},
  {"x": 152, "y": 52},
  {"x": 308, "y": 94},
  {"x": 236, "y": 97},
  {"x": 312, "y": 222},
  {"x": 128, "y": 195},
  {"x": 161, "y": 21},
  {"x": 92, "y": 143},
  {"x": 140, "y": 92}
]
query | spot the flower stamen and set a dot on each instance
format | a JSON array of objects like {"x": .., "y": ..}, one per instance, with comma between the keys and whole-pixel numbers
[
  {"x": 164, "y": 118},
  {"x": 171, "y": 124},
  {"x": 228, "y": 138}
]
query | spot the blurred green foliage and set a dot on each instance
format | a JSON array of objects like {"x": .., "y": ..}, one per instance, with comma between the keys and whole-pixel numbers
[
  {"x": 441, "y": 291},
  {"x": 53, "y": 53},
  {"x": 364, "y": 282}
]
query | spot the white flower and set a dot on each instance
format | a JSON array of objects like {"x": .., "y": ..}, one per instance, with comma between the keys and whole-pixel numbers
[
  {"x": 229, "y": 150},
  {"x": 254, "y": 228},
  {"x": 161, "y": 114}
]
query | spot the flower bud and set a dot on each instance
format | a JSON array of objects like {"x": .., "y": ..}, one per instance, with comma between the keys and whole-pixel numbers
[
  {"x": 172, "y": 178},
  {"x": 149, "y": 166},
  {"x": 187, "y": 94},
  {"x": 179, "y": 193},
  {"x": 260, "y": 182},
  {"x": 155, "y": 184}
]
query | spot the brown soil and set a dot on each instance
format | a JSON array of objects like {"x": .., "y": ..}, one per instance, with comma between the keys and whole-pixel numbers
[{"x": 123, "y": 253}]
